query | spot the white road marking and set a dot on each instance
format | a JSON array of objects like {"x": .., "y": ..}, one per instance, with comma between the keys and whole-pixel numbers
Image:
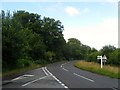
[
  {"x": 84, "y": 77},
  {"x": 18, "y": 78},
  {"x": 62, "y": 66},
  {"x": 28, "y": 75},
  {"x": 56, "y": 78},
  {"x": 64, "y": 69},
  {"x": 115, "y": 88},
  {"x": 22, "y": 77},
  {"x": 34, "y": 81},
  {"x": 43, "y": 68}
]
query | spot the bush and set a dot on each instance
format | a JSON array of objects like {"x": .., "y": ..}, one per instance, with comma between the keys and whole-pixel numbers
[
  {"x": 24, "y": 63},
  {"x": 114, "y": 57},
  {"x": 93, "y": 56}
]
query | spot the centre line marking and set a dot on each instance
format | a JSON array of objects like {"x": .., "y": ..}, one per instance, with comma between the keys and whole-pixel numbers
[
  {"x": 43, "y": 68},
  {"x": 64, "y": 69},
  {"x": 84, "y": 77},
  {"x": 34, "y": 81},
  {"x": 56, "y": 78}
]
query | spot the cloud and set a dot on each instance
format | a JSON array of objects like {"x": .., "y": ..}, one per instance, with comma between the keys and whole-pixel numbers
[
  {"x": 71, "y": 11},
  {"x": 97, "y": 36},
  {"x": 86, "y": 10},
  {"x": 59, "y": 0},
  {"x": 23, "y": 0},
  {"x": 112, "y": 0}
]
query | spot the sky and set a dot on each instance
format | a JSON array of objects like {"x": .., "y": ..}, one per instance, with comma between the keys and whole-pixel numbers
[{"x": 94, "y": 23}]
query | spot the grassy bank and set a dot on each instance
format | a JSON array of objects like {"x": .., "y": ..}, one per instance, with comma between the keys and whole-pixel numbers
[
  {"x": 20, "y": 70},
  {"x": 107, "y": 70}
]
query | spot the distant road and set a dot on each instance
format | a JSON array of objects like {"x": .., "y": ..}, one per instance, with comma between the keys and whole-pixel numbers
[{"x": 61, "y": 75}]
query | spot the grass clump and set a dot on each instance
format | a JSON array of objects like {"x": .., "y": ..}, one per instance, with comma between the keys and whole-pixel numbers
[{"x": 107, "y": 70}]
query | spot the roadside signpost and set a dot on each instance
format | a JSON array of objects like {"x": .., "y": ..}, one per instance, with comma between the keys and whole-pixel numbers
[{"x": 102, "y": 59}]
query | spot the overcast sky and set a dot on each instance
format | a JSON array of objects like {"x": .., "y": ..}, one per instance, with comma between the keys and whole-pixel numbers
[{"x": 93, "y": 23}]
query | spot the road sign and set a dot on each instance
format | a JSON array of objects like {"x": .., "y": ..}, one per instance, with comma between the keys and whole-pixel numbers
[
  {"x": 103, "y": 59},
  {"x": 100, "y": 57}
]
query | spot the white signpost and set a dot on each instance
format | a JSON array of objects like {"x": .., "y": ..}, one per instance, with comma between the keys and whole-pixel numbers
[{"x": 102, "y": 59}]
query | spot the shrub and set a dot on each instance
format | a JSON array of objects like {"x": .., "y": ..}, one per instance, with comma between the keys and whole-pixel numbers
[{"x": 24, "y": 63}]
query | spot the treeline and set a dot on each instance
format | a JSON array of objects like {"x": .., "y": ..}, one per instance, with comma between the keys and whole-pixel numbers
[
  {"x": 29, "y": 39},
  {"x": 76, "y": 50}
]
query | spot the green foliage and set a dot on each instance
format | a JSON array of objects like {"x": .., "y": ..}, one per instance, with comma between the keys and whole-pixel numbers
[
  {"x": 50, "y": 56},
  {"x": 93, "y": 56},
  {"x": 24, "y": 63},
  {"x": 74, "y": 49},
  {"x": 73, "y": 46},
  {"x": 114, "y": 58},
  {"x": 107, "y": 50},
  {"x": 27, "y": 35}
]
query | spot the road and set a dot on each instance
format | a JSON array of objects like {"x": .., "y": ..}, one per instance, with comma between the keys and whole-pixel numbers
[{"x": 61, "y": 75}]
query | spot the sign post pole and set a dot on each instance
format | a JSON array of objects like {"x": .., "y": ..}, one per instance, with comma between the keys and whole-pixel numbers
[
  {"x": 101, "y": 62},
  {"x": 100, "y": 58}
]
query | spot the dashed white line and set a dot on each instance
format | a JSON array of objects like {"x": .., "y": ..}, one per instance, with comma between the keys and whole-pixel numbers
[
  {"x": 56, "y": 78},
  {"x": 34, "y": 81},
  {"x": 63, "y": 64},
  {"x": 64, "y": 69},
  {"x": 84, "y": 77},
  {"x": 44, "y": 71}
]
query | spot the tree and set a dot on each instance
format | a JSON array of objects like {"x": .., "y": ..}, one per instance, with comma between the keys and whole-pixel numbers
[
  {"x": 53, "y": 37},
  {"x": 114, "y": 58},
  {"x": 92, "y": 57},
  {"x": 73, "y": 49},
  {"x": 106, "y": 50},
  {"x": 27, "y": 36}
]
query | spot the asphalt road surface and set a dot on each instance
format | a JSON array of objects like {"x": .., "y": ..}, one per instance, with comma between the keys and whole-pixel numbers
[{"x": 61, "y": 75}]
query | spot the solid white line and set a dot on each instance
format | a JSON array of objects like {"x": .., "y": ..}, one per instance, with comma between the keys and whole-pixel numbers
[
  {"x": 64, "y": 69},
  {"x": 84, "y": 77},
  {"x": 56, "y": 78},
  {"x": 34, "y": 81},
  {"x": 43, "y": 68}
]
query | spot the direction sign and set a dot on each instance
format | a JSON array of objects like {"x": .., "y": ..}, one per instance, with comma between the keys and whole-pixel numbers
[
  {"x": 102, "y": 59},
  {"x": 99, "y": 57}
]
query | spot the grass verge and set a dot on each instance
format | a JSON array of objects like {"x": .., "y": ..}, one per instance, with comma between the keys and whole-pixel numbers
[
  {"x": 19, "y": 71},
  {"x": 107, "y": 70}
]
